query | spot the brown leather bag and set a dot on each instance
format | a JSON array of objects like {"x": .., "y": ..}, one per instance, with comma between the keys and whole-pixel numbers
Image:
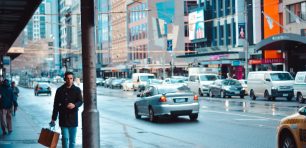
[{"x": 48, "y": 138}]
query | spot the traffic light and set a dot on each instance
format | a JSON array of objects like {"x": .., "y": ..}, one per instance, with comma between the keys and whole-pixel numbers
[
  {"x": 67, "y": 60},
  {"x": 64, "y": 62}
]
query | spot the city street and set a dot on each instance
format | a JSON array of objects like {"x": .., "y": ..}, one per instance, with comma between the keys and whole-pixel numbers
[{"x": 230, "y": 122}]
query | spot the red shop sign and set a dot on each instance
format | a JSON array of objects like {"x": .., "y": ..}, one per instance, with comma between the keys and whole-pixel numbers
[
  {"x": 255, "y": 61},
  {"x": 265, "y": 61},
  {"x": 270, "y": 61}
]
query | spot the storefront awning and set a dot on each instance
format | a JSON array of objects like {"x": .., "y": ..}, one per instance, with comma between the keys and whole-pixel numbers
[{"x": 284, "y": 41}]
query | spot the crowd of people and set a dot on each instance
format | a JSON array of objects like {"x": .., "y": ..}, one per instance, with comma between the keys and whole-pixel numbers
[{"x": 8, "y": 105}]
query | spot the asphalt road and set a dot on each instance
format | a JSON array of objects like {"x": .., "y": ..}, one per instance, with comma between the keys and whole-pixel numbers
[{"x": 230, "y": 123}]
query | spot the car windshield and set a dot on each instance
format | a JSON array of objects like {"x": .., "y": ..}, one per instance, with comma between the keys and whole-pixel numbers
[
  {"x": 281, "y": 76},
  {"x": 145, "y": 78},
  {"x": 208, "y": 78},
  {"x": 155, "y": 81},
  {"x": 177, "y": 80},
  {"x": 233, "y": 82},
  {"x": 43, "y": 85},
  {"x": 182, "y": 89}
]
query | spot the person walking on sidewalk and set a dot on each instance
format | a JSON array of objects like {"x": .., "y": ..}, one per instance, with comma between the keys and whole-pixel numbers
[
  {"x": 7, "y": 101},
  {"x": 16, "y": 93},
  {"x": 67, "y": 100}
]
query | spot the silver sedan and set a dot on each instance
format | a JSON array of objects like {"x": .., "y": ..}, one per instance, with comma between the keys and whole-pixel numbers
[{"x": 173, "y": 100}]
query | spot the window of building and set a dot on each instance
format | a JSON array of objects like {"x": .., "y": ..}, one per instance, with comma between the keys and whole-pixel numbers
[
  {"x": 303, "y": 11},
  {"x": 299, "y": 9},
  {"x": 227, "y": 7},
  {"x": 186, "y": 28},
  {"x": 229, "y": 34},
  {"x": 221, "y": 33}
]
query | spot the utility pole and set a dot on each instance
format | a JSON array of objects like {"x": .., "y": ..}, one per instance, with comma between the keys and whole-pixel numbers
[
  {"x": 90, "y": 115},
  {"x": 246, "y": 42}
]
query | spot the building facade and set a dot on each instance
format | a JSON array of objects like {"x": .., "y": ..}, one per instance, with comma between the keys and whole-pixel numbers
[
  {"x": 156, "y": 34},
  {"x": 221, "y": 35}
]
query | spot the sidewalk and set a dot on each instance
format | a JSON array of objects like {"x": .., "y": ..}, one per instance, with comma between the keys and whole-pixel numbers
[{"x": 25, "y": 134}]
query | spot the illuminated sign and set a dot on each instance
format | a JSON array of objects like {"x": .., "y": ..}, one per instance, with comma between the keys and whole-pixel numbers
[{"x": 196, "y": 25}]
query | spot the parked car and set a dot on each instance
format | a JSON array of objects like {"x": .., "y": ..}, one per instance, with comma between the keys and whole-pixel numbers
[
  {"x": 162, "y": 100},
  {"x": 140, "y": 80},
  {"x": 270, "y": 84},
  {"x": 291, "y": 130},
  {"x": 174, "y": 81},
  {"x": 199, "y": 83},
  {"x": 149, "y": 82},
  {"x": 300, "y": 86},
  {"x": 117, "y": 83},
  {"x": 42, "y": 88},
  {"x": 99, "y": 81},
  {"x": 244, "y": 84},
  {"x": 127, "y": 85},
  {"x": 226, "y": 87},
  {"x": 108, "y": 81}
]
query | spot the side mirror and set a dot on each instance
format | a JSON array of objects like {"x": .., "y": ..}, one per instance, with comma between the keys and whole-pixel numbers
[
  {"x": 268, "y": 80},
  {"x": 302, "y": 111}
]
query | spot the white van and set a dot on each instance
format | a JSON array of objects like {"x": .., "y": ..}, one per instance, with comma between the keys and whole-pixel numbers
[
  {"x": 300, "y": 86},
  {"x": 140, "y": 80},
  {"x": 199, "y": 83},
  {"x": 270, "y": 84}
]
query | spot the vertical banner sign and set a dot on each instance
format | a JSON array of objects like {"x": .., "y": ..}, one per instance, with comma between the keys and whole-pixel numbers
[
  {"x": 169, "y": 45},
  {"x": 241, "y": 31},
  {"x": 196, "y": 25}
]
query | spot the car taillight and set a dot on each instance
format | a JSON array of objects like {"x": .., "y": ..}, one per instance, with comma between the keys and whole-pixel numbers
[
  {"x": 39, "y": 88},
  {"x": 163, "y": 99},
  {"x": 196, "y": 97}
]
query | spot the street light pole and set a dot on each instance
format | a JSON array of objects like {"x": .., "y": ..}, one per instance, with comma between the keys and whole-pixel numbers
[
  {"x": 246, "y": 42},
  {"x": 90, "y": 115}
]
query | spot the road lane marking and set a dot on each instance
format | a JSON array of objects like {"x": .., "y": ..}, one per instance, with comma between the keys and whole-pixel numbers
[{"x": 249, "y": 116}]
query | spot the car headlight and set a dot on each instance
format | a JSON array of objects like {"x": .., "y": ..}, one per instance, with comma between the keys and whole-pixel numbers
[{"x": 274, "y": 88}]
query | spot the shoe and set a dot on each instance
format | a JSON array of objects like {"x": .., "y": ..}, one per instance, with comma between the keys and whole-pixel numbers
[
  {"x": 10, "y": 132},
  {"x": 4, "y": 133}
]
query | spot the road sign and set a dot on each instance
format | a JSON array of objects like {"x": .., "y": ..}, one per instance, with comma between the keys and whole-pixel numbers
[
  {"x": 236, "y": 63},
  {"x": 6, "y": 60}
]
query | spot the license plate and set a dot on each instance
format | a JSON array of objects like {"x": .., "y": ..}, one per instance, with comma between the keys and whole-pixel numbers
[
  {"x": 179, "y": 100},
  {"x": 285, "y": 95}
]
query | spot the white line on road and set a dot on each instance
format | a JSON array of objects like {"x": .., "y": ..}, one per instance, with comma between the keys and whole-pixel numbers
[{"x": 249, "y": 116}]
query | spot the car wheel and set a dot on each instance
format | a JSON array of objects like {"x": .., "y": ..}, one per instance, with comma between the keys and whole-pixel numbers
[
  {"x": 200, "y": 93},
  {"x": 287, "y": 141},
  {"x": 193, "y": 117},
  {"x": 223, "y": 94},
  {"x": 300, "y": 98},
  {"x": 211, "y": 94},
  {"x": 152, "y": 117},
  {"x": 267, "y": 96},
  {"x": 137, "y": 116},
  {"x": 252, "y": 95}
]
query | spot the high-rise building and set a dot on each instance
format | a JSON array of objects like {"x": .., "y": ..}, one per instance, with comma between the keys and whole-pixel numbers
[
  {"x": 119, "y": 32},
  {"x": 39, "y": 26}
]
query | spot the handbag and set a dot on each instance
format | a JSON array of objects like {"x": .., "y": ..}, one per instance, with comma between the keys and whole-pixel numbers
[{"x": 48, "y": 137}]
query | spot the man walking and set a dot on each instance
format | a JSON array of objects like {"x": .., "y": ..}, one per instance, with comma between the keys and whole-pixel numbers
[
  {"x": 7, "y": 99},
  {"x": 16, "y": 93},
  {"x": 68, "y": 99}
]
